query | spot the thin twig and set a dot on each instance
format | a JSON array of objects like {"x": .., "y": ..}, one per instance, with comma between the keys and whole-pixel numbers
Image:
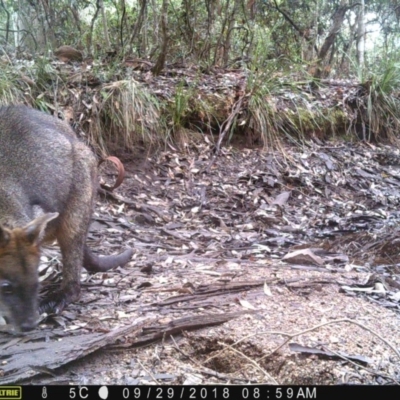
[
  {"x": 292, "y": 335},
  {"x": 225, "y": 127},
  {"x": 209, "y": 371},
  {"x": 371, "y": 371},
  {"x": 148, "y": 372},
  {"x": 337, "y": 321},
  {"x": 272, "y": 380}
]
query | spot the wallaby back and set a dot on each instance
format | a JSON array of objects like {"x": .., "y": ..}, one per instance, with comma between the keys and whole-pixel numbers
[{"x": 44, "y": 170}]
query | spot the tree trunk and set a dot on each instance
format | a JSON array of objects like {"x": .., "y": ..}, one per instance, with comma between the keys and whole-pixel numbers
[
  {"x": 218, "y": 49},
  {"x": 49, "y": 17},
  {"x": 231, "y": 22},
  {"x": 139, "y": 23},
  {"x": 164, "y": 45},
  {"x": 105, "y": 27},
  {"x": 90, "y": 36},
  {"x": 338, "y": 19},
  {"x": 8, "y": 20},
  {"x": 122, "y": 24},
  {"x": 361, "y": 35}
]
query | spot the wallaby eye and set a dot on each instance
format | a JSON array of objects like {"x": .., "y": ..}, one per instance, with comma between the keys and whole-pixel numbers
[{"x": 6, "y": 287}]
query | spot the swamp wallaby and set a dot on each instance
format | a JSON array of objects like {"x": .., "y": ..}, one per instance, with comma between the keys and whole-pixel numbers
[{"x": 48, "y": 180}]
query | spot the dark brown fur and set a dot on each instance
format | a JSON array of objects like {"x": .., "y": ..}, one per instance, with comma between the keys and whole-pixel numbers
[{"x": 44, "y": 170}]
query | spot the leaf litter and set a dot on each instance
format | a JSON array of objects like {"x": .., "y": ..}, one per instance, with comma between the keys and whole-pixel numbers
[{"x": 228, "y": 262}]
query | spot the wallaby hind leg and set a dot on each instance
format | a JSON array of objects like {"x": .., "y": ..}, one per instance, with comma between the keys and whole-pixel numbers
[
  {"x": 72, "y": 229},
  {"x": 72, "y": 232}
]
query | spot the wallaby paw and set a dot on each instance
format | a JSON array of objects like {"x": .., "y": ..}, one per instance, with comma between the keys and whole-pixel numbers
[
  {"x": 56, "y": 302},
  {"x": 52, "y": 305}
]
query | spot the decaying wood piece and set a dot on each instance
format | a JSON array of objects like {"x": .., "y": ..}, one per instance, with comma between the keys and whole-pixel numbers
[
  {"x": 153, "y": 333},
  {"x": 25, "y": 360},
  {"x": 212, "y": 290},
  {"x": 322, "y": 353}
]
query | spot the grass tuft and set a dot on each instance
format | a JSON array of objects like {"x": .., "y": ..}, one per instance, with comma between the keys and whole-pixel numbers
[{"x": 127, "y": 114}]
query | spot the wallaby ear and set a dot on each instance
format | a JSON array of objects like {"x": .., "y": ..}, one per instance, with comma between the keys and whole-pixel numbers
[
  {"x": 4, "y": 236},
  {"x": 35, "y": 229}
]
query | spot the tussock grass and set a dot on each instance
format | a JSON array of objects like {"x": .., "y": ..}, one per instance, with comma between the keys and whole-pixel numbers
[
  {"x": 265, "y": 121},
  {"x": 44, "y": 73},
  {"x": 282, "y": 109},
  {"x": 381, "y": 121},
  {"x": 279, "y": 110},
  {"x": 10, "y": 90},
  {"x": 179, "y": 109},
  {"x": 273, "y": 108},
  {"x": 188, "y": 114},
  {"x": 127, "y": 114},
  {"x": 41, "y": 79}
]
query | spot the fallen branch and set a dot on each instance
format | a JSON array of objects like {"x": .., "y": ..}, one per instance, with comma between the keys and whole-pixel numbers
[{"x": 225, "y": 127}]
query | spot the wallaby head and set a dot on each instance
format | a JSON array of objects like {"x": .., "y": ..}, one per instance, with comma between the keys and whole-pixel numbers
[{"x": 19, "y": 261}]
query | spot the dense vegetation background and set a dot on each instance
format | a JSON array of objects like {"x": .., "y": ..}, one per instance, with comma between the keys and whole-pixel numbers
[{"x": 150, "y": 71}]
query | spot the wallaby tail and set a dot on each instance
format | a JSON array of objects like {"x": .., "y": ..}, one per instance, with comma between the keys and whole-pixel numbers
[{"x": 95, "y": 263}]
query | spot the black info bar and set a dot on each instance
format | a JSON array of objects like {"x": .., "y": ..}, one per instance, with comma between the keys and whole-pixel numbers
[{"x": 224, "y": 392}]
